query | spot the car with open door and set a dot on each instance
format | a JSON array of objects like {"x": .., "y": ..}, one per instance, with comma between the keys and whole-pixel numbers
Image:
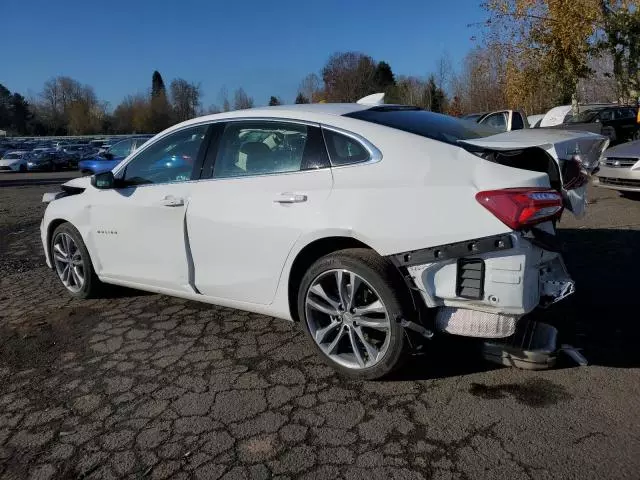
[{"x": 374, "y": 226}]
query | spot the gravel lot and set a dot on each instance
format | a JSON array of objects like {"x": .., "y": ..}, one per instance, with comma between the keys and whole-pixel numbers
[{"x": 139, "y": 385}]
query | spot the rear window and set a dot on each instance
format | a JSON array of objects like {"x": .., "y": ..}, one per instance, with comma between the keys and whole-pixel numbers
[{"x": 436, "y": 126}]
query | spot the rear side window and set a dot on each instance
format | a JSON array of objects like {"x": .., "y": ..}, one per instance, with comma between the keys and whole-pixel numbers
[{"x": 344, "y": 150}]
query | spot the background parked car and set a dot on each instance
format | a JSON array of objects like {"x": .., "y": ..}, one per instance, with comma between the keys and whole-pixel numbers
[
  {"x": 619, "y": 123},
  {"x": 105, "y": 161},
  {"x": 48, "y": 160},
  {"x": 14, "y": 161},
  {"x": 535, "y": 120},
  {"x": 620, "y": 168}
]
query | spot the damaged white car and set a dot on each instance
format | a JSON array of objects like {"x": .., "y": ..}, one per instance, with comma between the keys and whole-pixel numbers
[{"x": 373, "y": 226}]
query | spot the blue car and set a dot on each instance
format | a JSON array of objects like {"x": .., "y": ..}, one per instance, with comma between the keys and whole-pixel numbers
[{"x": 106, "y": 161}]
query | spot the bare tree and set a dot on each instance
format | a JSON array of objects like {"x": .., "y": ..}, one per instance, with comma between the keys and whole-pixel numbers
[
  {"x": 311, "y": 87},
  {"x": 443, "y": 72},
  {"x": 348, "y": 77},
  {"x": 223, "y": 99},
  {"x": 185, "y": 97},
  {"x": 241, "y": 100}
]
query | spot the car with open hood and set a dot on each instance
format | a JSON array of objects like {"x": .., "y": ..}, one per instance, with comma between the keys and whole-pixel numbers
[{"x": 373, "y": 226}]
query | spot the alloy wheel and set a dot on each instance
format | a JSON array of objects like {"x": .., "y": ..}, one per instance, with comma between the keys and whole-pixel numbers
[
  {"x": 347, "y": 319},
  {"x": 68, "y": 261}
]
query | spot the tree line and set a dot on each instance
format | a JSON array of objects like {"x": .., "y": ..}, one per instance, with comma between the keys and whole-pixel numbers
[{"x": 530, "y": 54}]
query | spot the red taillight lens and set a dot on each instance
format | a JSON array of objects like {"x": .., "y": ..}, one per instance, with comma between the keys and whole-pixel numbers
[{"x": 522, "y": 207}]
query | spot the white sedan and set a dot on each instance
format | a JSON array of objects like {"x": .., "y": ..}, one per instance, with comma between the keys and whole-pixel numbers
[
  {"x": 370, "y": 225},
  {"x": 14, "y": 161}
]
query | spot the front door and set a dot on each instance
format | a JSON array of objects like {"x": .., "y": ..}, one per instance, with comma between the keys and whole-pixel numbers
[
  {"x": 138, "y": 229},
  {"x": 269, "y": 183}
]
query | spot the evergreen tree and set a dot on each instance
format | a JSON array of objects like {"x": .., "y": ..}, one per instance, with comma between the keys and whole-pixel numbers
[
  {"x": 273, "y": 101},
  {"x": 383, "y": 77}
]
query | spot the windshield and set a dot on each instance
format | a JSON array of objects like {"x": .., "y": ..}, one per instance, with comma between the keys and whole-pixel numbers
[
  {"x": 583, "y": 117},
  {"x": 12, "y": 156},
  {"x": 436, "y": 126},
  {"x": 474, "y": 117}
]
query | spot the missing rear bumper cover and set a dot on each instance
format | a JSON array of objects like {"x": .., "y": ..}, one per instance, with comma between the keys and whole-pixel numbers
[{"x": 453, "y": 250}]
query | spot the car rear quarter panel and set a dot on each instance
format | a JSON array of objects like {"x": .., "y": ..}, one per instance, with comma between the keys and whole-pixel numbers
[{"x": 421, "y": 194}]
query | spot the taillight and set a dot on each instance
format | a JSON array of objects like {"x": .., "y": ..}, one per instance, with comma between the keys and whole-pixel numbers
[{"x": 522, "y": 207}]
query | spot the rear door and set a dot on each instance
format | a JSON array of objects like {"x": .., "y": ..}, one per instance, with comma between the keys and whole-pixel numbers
[{"x": 266, "y": 183}]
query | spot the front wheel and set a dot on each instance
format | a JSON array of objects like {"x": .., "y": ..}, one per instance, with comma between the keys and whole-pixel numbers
[
  {"x": 348, "y": 304},
  {"x": 72, "y": 263}
]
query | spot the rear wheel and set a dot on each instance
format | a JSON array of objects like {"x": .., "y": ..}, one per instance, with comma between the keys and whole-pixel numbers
[
  {"x": 349, "y": 303},
  {"x": 72, "y": 263}
]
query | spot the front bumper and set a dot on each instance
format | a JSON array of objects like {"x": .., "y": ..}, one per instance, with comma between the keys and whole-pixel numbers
[
  {"x": 485, "y": 294},
  {"x": 621, "y": 179}
]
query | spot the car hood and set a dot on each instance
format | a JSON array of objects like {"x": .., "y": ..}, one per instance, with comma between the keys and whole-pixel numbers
[{"x": 625, "y": 150}]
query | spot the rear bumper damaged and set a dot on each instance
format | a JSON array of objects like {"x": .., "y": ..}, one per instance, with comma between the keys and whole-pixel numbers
[{"x": 481, "y": 288}]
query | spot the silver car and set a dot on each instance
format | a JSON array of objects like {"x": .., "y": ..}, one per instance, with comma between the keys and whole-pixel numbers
[{"x": 620, "y": 168}]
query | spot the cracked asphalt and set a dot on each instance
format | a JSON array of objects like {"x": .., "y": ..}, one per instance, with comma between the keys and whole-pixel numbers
[{"x": 146, "y": 386}]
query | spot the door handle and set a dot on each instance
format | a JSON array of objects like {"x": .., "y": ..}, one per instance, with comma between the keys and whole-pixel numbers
[
  {"x": 290, "y": 198},
  {"x": 171, "y": 201}
]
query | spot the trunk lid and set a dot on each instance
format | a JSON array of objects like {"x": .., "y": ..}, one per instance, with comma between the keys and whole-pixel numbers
[{"x": 566, "y": 148}]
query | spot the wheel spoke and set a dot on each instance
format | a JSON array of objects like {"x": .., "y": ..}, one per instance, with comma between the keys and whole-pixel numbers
[
  {"x": 342, "y": 291},
  {"x": 77, "y": 279},
  {"x": 58, "y": 249},
  {"x": 66, "y": 273},
  {"x": 356, "y": 350},
  {"x": 65, "y": 244},
  {"x": 322, "y": 308},
  {"x": 332, "y": 346},
  {"x": 375, "y": 307},
  {"x": 354, "y": 282},
  {"x": 60, "y": 258},
  {"x": 319, "y": 291},
  {"x": 375, "y": 323},
  {"x": 322, "y": 333},
  {"x": 372, "y": 351}
]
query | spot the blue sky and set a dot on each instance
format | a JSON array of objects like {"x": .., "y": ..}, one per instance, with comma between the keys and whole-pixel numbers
[{"x": 267, "y": 47}]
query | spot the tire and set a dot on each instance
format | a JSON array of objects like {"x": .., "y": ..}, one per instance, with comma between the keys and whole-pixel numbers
[
  {"x": 91, "y": 285},
  {"x": 377, "y": 277},
  {"x": 22, "y": 169}
]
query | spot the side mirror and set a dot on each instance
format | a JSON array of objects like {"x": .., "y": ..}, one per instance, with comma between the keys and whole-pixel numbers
[{"x": 103, "y": 181}]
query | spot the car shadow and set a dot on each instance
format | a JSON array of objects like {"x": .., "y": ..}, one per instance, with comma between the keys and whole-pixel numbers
[{"x": 602, "y": 318}]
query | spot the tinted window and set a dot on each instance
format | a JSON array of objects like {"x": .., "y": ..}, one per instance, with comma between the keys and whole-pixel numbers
[
  {"x": 260, "y": 148},
  {"x": 625, "y": 113},
  {"x": 427, "y": 124},
  {"x": 583, "y": 117},
  {"x": 516, "y": 122},
  {"x": 606, "y": 115},
  {"x": 170, "y": 159},
  {"x": 344, "y": 150}
]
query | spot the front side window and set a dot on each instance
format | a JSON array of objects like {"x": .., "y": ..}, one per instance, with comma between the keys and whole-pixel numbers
[
  {"x": 344, "y": 150},
  {"x": 261, "y": 148},
  {"x": 170, "y": 159}
]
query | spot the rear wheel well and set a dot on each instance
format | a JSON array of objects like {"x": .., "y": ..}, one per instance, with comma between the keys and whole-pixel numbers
[{"x": 307, "y": 256}]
